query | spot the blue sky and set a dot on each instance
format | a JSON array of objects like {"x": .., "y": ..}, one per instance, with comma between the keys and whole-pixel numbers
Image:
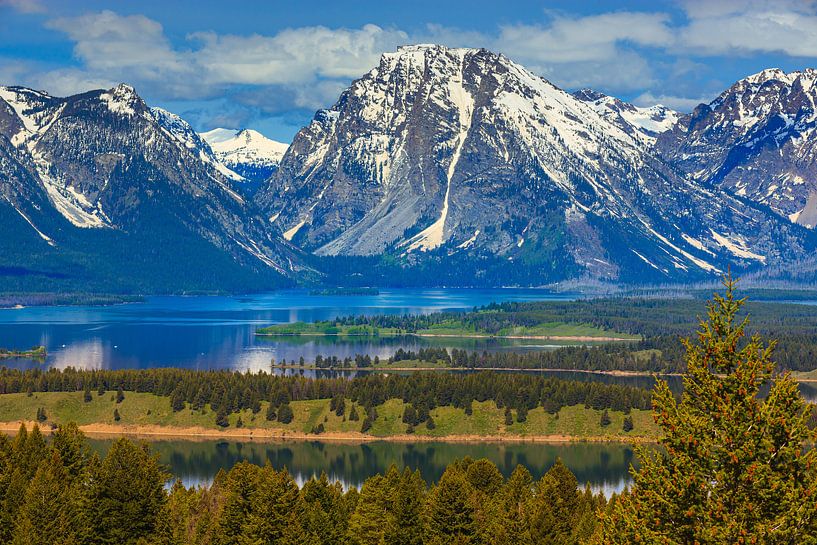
[{"x": 270, "y": 65}]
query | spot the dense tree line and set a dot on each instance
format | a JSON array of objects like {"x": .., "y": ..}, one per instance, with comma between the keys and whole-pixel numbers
[
  {"x": 637, "y": 316},
  {"x": 227, "y": 392},
  {"x": 58, "y": 492}
]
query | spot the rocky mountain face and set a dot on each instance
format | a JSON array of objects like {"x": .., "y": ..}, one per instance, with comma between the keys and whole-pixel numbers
[
  {"x": 118, "y": 173},
  {"x": 757, "y": 141},
  {"x": 646, "y": 123},
  {"x": 246, "y": 152},
  {"x": 447, "y": 154},
  {"x": 438, "y": 167}
]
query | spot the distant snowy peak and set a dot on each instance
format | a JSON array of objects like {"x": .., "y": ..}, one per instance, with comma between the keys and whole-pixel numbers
[
  {"x": 247, "y": 152},
  {"x": 649, "y": 121}
]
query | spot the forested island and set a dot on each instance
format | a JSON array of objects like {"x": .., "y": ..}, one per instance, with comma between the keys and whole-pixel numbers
[
  {"x": 35, "y": 353},
  {"x": 484, "y": 405}
]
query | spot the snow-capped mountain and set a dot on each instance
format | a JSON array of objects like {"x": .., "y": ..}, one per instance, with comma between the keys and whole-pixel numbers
[
  {"x": 649, "y": 122},
  {"x": 444, "y": 166},
  {"x": 444, "y": 153},
  {"x": 140, "y": 179},
  {"x": 756, "y": 140},
  {"x": 246, "y": 152}
]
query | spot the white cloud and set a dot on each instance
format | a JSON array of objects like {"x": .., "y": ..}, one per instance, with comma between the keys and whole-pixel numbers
[
  {"x": 681, "y": 104},
  {"x": 24, "y": 6},
  {"x": 585, "y": 39},
  {"x": 728, "y": 27}
]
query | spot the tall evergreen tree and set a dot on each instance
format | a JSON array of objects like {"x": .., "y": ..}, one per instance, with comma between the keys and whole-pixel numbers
[
  {"x": 49, "y": 513},
  {"x": 449, "y": 513},
  {"x": 734, "y": 467},
  {"x": 127, "y": 495},
  {"x": 405, "y": 523}
]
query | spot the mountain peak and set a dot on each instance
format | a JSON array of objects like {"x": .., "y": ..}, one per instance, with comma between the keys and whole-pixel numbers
[
  {"x": 246, "y": 151},
  {"x": 123, "y": 100}
]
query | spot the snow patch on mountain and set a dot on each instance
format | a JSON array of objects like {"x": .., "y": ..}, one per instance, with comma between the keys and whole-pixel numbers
[{"x": 648, "y": 121}]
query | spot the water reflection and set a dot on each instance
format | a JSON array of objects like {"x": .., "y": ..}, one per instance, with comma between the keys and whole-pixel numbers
[
  {"x": 217, "y": 332},
  {"x": 603, "y": 466}
]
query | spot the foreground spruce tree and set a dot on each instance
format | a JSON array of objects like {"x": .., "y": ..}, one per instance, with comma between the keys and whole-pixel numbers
[{"x": 734, "y": 467}]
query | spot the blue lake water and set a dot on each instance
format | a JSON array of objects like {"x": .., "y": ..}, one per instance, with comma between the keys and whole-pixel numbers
[{"x": 218, "y": 332}]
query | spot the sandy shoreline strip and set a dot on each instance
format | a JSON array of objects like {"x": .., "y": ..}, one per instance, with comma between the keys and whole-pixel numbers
[{"x": 152, "y": 432}]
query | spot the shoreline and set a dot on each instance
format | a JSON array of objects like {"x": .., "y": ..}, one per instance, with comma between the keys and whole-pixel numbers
[{"x": 155, "y": 432}]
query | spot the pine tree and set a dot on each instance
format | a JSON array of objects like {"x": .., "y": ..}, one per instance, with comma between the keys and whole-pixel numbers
[
  {"x": 116, "y": 416},
  {"x": 405, "y": 524},
  {"x": 120, "y": 395},
  {"x": 277, "y": 510},
  {"x": 450, "y": 516},
  {"x": 177, "y": 400},
  {"x": 508, "y": 416},
  {"x": 628, "y": 424},
  {"x": 326, "y": 517},
  {"x": 604, "y": 421},
  {"x": 510, "y": 525},
  {"x": 556, "y": 505},
  {"x": 48, "y": 514},
  {"x": 368, "y": 523},
  {"x": 86, "y": 397},
  {"x": 127, "y": 496},
  {"x": 285, "y": 414},
  {"x": 69, "y": 442},
  {"x": 733, "y": 467}
]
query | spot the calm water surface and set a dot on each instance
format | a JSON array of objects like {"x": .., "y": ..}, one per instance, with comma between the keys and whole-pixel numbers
[
  {"x": 602, "y": 466},
  {"x": 217, "y": 332}
]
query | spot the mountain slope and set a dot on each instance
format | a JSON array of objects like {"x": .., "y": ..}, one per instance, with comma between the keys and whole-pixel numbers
[
  {"x": 648, "y": 122},
  {"x": 756, "y": 140},
  {"x": 137, "y": 193},
  {"x": 460, "y": 154},
  {"x": 246, "y": 152}
]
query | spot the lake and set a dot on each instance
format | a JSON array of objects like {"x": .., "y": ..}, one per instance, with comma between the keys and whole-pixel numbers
[
  {"x": 218, "y": 332},
  {"x": 604, "y": 466}
]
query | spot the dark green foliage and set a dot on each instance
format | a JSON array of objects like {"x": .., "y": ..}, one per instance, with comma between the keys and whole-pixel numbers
[
  {"x": 271, "y": 413},
  {"x": 285, "y": 414},
  {"x": 508, "y": 416},
  {"x": 41, "y": 416},
  {"x": 317, "y": 430},
  {"x": 604, "y": 420},
  {"x": 127, "y": 495},
  {"x": 177, "y": 400},
  {"x": 221, "y": 418},
  {"x": 628, "y": 423},
  {"x": 86, "y": 397},
  {"x": 228, "y": 392},
  {"x": 116, "y": 415},
  {"x": 736, "y": 466},
  {"x": 353, "y": 416},
  {"x": 522, "y": 414},
  {"x": 120, "y": 395},
  {"x": 59, "y": 493}
]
